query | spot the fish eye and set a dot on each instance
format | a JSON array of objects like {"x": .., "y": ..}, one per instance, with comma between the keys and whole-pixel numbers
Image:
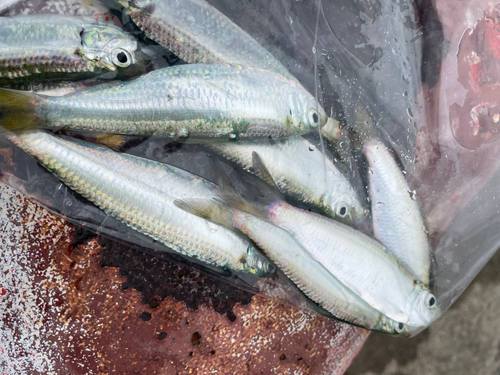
[
  {"x": 121, "y": 58},
  {"x": 270, "y": 269},
  {"x": 399, "y": 327},
  {"x": 430, "y": 301},
  {"x": 342, "y": 211},
  {"x": 313, "y": 117}
]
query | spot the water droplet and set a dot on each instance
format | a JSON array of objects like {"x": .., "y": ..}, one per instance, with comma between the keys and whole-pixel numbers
[
  {"x": 314, "y": 49},
  {"x": 213, "y": 227},
  {"x": 413, "y": 194}
]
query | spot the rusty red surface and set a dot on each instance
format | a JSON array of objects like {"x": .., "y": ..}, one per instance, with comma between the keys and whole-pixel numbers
[{"x": 76, "y": 303}]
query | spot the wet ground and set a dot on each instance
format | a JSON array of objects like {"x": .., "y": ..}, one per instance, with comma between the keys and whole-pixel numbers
[{"x": 466, "y": 340}]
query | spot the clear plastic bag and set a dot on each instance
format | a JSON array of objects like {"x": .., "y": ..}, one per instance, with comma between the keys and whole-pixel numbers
[{"x": 419, "y": 76}]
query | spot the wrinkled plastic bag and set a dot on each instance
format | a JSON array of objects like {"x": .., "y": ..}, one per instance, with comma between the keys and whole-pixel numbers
[{"x": 421, "y": 75}]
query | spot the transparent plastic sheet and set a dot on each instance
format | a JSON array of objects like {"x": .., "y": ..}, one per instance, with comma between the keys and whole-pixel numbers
[{"x": 400, "y": 70}]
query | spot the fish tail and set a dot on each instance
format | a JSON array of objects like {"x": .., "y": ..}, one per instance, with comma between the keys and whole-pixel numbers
[
  {"x": 17, "y": 110},
  {"x": 208, "y": 209},
  {"x": 229, "y": 197}
]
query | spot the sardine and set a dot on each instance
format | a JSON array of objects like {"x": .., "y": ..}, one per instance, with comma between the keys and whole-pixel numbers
[
  {"x": 361, "y": 263},
  {"x": 301, "y": 171},
  {"x": 140, "y": 206},
  {"x": 55, "y": 46},
  {"x": 397, "y": 221},
  {"x": 310, "y": 276},
  {"x": 176, "y": 182},
  {"x": 198, "y": 33},
  {"x": 196, "y": 101}
]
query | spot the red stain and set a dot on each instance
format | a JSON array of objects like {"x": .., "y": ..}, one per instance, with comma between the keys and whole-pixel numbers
[
  {"x": 3, "y": 292},
  {"x": 493, "y": 33}
]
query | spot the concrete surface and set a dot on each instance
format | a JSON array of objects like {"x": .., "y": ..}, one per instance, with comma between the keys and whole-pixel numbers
[{"x": 466, "y": 340}]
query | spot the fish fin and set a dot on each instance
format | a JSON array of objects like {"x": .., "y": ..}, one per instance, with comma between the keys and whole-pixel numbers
[
  {"x": 207, "y": 209},
  {"x": 229, "y": 197},
  {"x": 223, "y": 180},
  {"x": 17, "y": 110},
  {"x": 272, "y": 191},
  {"x": 261, "y": 170}
]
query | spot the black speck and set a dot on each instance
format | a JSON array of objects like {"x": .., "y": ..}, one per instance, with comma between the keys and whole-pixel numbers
[
  {"x": 161, "y": 335},
  {"x": 195, "y": 339},
  {"x": 145, "y": 316},
  {"x": 282, "y": 357}
]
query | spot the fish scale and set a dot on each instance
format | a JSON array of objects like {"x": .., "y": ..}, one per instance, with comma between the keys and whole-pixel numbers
[
  {"x": 309, "y": 275},
  {"x": 140, "y": 206},
  {"x": 231, "y": 101},
  {"x": 361, "y": 263},
  {"x": 397, "y": 221},
  {"x": 198, "y": 33},
  {"x": 300, "y": 170}
]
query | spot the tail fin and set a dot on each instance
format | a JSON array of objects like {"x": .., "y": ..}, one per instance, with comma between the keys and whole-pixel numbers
[
  {"x": 229, "y": 197},
  {"x": 17, "y": 110},
  {"x": 208, "y": 209}
]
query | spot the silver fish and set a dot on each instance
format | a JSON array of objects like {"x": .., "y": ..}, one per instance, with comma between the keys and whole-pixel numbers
[
  {"x": 301, "y": 171},
  {"x": 52, "y": 46},
  {"x": 140, "y": 206},
  {"x": 176, "y": 182},
  {"x": 196, "y": 101},
  {"x": 198, "y": 33},
  {"x": 361, "y": 263},
  {"x": 309, "y": 275},
  {"x": 397, "y": 221}
]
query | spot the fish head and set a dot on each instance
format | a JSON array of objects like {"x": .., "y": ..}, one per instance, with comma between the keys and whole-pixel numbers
[
  {"x": 109, "y": 45},
  {"x": 392, "y": 327},
  {"x": 305, "y": 113},
  {"x": 257, "y": 263},
  {"x": 423, "y": 306},
  {"x": 343, "y": 203}
]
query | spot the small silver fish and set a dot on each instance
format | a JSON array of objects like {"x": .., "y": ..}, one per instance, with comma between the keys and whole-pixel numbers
[
  {"x": 361, "y": 263},
  {"x": 397, "y": 221},
  {"x": 301, "y": 171},
  {"x": 197, "y": 101},
  {"x": 309, "y": 275},
  {"x": 139, "y": 205},
  {"x": 56, "y": 46},
  {"x": 198, "y": 33}
]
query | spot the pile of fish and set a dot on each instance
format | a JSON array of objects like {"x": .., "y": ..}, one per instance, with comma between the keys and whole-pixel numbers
[{"x": 237, "y": 99}]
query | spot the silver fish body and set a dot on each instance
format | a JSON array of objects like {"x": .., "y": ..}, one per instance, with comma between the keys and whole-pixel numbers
[
  {"x": 361, "y": 263},
  {"x": 176, "y": 182},
  {"x": 198, "y": 33},
  {"x": 195, "y": 101},
  {"x": 397, "y": 221},
  {"x": 56, "y": 46},
  {"x": 310, "y": 276},
  {"x": 141, "y": 206},
  {"x": 301, "y": 171}
]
